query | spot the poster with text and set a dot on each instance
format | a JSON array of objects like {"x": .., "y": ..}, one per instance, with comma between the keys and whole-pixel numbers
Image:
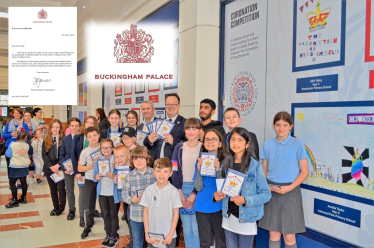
[
  {"x": 245, "y": 62},
  {"x": 318, "y": 34}
]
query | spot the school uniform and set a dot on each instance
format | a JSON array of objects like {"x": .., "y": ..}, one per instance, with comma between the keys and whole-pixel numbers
[
  {"x": 65, "y": 154},
  {"x": 51, "y": 158},
  {"x": 283, "y": 213}
]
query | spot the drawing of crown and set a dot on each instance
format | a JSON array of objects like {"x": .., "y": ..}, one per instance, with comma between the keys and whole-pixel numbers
[
  {"x": 157, "y": 240},
  {"x": 208, "y": 163},
  {"x": 134, "y": 47},
  {"x": 140, "y": 138},
  {"x": 115, "y": 138},
  {"x": 165, "y": 128},
  {"x": 122, "y": 177},
  {"x": 103, "y": 166},
  {"x": 317, "y": 20},
  {"x": 233, "y": 183},
  {"x": 59, "y": 175}
]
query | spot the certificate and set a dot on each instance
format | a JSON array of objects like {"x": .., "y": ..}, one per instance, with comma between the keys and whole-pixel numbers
[
  {"x": 158, "y": 238},
  {"x": 140, "y": 136},
  {"x": 81, "y": 183},
  {"x": 165, "y": 127},
  {"x": 68, "y": 165},
  {"x": 58, "y": 177},
  {"x": 104, "y": 166},
  {"x": 43, "y": 56},
  {"x": 207, "y": 168},
  {"x": 96, "y": 155},
  {"x": 122, "y": 174},
  {"x": 233, "y": 183},
  {"x": 139, "y": 192},
  {"x": 116, "y": 138}
]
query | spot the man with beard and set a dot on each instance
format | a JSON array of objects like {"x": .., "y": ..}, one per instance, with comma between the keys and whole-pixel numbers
[{"x": 207, "y": 109}]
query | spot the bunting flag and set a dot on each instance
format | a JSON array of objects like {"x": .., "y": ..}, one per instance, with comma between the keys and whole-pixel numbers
[
  {"x": 312, "y": 1},
  {"x": 306, "y": 4},
  {"x": 301, "y": 9}
]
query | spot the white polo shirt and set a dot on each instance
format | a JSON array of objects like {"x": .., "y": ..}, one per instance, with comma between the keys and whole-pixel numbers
[{"x": 160, "y": 203}]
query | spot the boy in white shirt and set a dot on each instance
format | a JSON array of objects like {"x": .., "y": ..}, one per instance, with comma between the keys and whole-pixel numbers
[{"x": 161, "y": 203}]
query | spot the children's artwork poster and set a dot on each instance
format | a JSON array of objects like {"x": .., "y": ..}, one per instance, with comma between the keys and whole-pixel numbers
[
  {"x": 118, "y": 88},
  {"x": 81, "y": 116},
  {"x": 369, "y": 33},
  {"x": 104, "y": 166},
  {"x": 122, "y": 174},
  {"x": 128, "y": 88},
  {"x": 319, "y": 34},
  {"x": 84, "y": 115},
  {"x": 140, "y": 136},
  {"x": 85, "y": 93},
  {"x": 160, "y": 113},
  {"x": 116, "y": 138},
  {"x": 123, "y": 120},
  {"x": 153, "y": 86},
  {"x": 158, "y": 238},
  {"x": 139, "y": 87},
  {"x": 81, "y": 94},
  {"x": 207, "y": 168},
  {"x": 338, "y": 139}
]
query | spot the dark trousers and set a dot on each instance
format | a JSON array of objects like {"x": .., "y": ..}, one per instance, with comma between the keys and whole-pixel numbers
[
  {"x": 209, "y": 223},
  {"x": 13, "y": 187},
  {"x": 7, "y": 163},
  {"x": 58, "y": 192},
  {"x": 90, "y": 193},
  {"x": 110, "y": 214}
]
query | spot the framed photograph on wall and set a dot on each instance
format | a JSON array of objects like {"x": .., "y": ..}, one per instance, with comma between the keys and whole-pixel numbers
[
  {"x": 118, "y": 88},
  {"x": 153, "y": 86},
  {"x": 318, "y": 34},
  {"x": 160, "y": 113},
  {"x": 128, "y": 88},
  {"x": 139, "y": 87},
  {"x": 123, "y": 121}
]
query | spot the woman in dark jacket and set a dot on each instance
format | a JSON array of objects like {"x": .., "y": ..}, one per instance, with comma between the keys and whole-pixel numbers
[
  {"x": 50, "y": 152},
  {"x": 102, "y": 120}
]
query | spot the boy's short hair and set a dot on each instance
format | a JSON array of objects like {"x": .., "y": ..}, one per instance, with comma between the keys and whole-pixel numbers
[
  {"x": 74, "y": 119},
  {"x": 231, "y": 109},
  {"x": 211, "y": 103},
  {"x": 163, "y": 163},
  {"x": 140, "y": 152},
  {"x": 106, "y": 140},
  {"x": 121, "y": 148},
  {"x": 90, "y": 130}
]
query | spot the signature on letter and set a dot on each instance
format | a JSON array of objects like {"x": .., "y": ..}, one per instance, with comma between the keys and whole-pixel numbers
[{"x": 37, "y": 81}]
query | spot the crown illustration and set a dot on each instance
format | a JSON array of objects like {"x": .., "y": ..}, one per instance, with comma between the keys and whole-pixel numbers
[
  {"x": 133, "y": 46},
  {"x": 114, "y": 138},
  {"x": 140, "y": 137},
  {"x": 243, "y": 93},
  {"x": 317, "y": 20},
  {"x": 208, "y": 163},
  {"x": 122, "y": 177},
  {"x": 42, "y": 14},
  {"x": 157, "y": 240},
  {"x": 233, "y": 183},
  {"x": 165, "y": 128},
  {"x": 103, "y": 166},
  {"x": 59, "y": 175}
]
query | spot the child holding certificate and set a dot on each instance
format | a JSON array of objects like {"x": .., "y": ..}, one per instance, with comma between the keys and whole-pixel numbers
[
  {"x": 138, "y": 179},
  {"x": 18, "y": 152},
  {"x": 86, "y": 165},
  {"x": 108, "y": 195},
  {"x": 209, "y": 213},
  {"x": 184, "y": 160},
  {"x": 114, "y": 131},
  {"x": 161, "y": 213},
  {"x": 37, "y": 155},
  {"x": 129, "y": 137},
  {"x": 65, "y": 159},
  {"x": 241, "y": 212},
  {"x": 286, "y": 167}
]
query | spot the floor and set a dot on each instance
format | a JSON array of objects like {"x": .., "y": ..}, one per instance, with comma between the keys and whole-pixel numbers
[{"x": 30, "y": 225}]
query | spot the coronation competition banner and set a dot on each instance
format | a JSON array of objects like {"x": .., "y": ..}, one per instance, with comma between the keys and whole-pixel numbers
[
  {"x": 319, "y": 65},
  {"x": 245, "y": 62}
]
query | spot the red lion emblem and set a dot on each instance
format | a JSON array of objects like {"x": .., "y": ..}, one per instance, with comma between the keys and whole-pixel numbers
[
  {"x": 42, "y": 14},
  {"x": 133, "y": 46},
  {"x": 243, "y": 93}
]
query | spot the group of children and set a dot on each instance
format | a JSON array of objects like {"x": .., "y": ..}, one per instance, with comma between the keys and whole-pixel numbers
[{"x": 153, "y": 205}]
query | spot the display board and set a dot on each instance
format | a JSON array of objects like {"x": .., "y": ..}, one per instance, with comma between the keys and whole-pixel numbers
[
  {"x": 319, "y": 68},
  {"x": 244, "y": 62}
]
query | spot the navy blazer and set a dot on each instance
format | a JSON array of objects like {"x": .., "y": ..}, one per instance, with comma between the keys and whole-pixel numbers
[
  {"x": 178, "y": 136},
  {"x": 76, "y": 149},
  {"x": 65, "y": 151}
]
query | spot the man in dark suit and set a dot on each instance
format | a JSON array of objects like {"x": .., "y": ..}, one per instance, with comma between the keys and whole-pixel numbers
[{"x": 164, "y": 147}]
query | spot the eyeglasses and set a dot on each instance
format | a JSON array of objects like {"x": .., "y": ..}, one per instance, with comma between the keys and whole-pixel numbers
[
  {"x": 210, "y": 140},
  {"x": 106, "y": 148},
  {"x": 171, "y": 105}
]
